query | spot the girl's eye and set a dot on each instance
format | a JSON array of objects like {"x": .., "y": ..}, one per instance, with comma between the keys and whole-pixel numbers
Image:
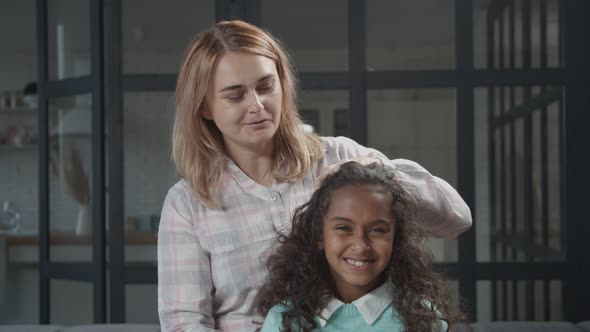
[
  {"x": 343, "y": 228},
  {"x": 377, "y": 230}
]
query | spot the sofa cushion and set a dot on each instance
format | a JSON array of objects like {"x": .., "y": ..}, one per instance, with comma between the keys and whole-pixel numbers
[
  {"x": 113, "y": 328},
  {"x": 584, "y": 326},
  {"x": 30, "y": 328},
  {"x": 525, "y": 327}
]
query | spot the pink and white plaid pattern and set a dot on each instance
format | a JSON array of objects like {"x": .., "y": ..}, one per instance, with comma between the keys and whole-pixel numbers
[{"x": 211, "y": 262}]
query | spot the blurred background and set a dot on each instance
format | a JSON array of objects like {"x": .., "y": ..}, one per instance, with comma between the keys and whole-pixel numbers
[{"x": 478, "y": 92}]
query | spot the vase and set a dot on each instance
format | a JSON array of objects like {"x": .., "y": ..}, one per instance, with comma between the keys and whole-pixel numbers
[{"x": 84, "y": 221}]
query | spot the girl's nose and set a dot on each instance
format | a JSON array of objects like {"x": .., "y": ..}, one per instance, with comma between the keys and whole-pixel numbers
[{"x": 361, "y": 243}]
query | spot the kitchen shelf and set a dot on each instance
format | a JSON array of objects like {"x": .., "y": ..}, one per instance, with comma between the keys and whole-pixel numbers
[
  {"x": 18, "y": 110},
  {"x": 12, "y": 147}
]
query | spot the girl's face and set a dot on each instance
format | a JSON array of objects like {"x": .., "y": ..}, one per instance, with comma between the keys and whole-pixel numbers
[
  {"x": 244, "y": 100},
  {"x": 358, "y": 230}
]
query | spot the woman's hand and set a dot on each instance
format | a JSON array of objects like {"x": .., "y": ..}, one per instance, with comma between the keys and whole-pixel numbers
[{"x": 334, "y": 167}]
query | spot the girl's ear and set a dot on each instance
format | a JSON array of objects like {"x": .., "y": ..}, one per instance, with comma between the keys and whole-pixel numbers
[{"x": 321, "y": 245}]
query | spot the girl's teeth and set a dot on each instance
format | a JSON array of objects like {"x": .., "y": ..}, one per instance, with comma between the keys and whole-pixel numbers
[{"x": 357, "y": 263}]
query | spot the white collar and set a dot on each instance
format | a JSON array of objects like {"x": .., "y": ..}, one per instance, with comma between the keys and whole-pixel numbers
[{"x": 371, "y": 305}]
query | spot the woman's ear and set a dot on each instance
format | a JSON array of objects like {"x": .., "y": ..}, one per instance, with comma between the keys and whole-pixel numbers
[
  {"x": 321, "y": 245},
  {"x": 205, "y": 113}
]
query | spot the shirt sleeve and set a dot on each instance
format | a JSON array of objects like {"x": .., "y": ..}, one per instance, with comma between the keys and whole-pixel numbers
[
  {"x": 273, "y": 320},
  {"x": 184, "y": 274},
  {"x": 438, "y": 205}
]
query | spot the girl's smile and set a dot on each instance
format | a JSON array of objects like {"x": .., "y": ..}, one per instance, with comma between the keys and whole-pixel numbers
[{"x": 359, "y": 264}]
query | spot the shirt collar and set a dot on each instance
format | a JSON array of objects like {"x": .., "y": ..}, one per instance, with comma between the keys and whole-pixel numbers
[{"x": 370, "y": 306}]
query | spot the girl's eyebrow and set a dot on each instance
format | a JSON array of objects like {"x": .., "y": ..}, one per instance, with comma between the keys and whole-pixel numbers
[
  {"x": 338, "y": 218},
  {"x": 376, "y": 222},
  {"x": 239, "y": 86}
]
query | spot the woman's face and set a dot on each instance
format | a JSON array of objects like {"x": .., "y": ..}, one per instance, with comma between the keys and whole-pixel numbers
[{"x": 244, "y": 100}]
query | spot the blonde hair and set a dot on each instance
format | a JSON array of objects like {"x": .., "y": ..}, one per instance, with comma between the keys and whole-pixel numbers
[{"x": 197, "y": 144}]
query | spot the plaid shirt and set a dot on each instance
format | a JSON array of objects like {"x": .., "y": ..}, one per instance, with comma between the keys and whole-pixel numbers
[{"x": 211, "y": 262}]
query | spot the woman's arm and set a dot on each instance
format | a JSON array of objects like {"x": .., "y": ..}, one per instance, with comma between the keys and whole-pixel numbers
[
  {"x": 184, "y": 274},
  {"x": 438, "y": 205}
]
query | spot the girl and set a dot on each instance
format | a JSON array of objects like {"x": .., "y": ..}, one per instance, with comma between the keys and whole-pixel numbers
[
  {"x": 354, "y": 262},
  {"x": 246, "y": 163}
]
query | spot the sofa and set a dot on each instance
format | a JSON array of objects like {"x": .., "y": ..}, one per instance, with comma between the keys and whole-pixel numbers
[
  {"x": 474, "y": 327},
  {"x": 81, "y": 328},
  {"x": 529, "y": 327}
]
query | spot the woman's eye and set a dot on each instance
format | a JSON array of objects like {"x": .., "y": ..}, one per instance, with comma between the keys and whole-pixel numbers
[
  {"x": 343, "y": 228},
  {"x": 377, "y": 230},
  {"x": 235, "y": 98},
  {"x": 265, "y": 88}
]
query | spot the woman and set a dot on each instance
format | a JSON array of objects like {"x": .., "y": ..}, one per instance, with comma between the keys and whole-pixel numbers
[{"x": 246, "y": 164}]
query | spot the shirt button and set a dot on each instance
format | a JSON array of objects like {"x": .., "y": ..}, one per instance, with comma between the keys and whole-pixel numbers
[
  {"x": 273, "y": 198},
  {"x": 283, "y": 229}
]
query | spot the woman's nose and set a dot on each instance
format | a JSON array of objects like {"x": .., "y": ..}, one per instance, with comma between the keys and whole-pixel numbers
[{"x": 254, "y": 103}]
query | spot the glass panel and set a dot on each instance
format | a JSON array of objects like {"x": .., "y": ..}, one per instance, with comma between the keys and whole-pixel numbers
[
  {"x": 148, "y": 170},
  {"x": 518, "y": 227},
  {"x": 453, "y": 290},
  {"x": 18, "y": 171},
  {"x": 536, "y": 34},
  {"x": 71, "y": 302},
  {"x": 398, "y": 39},
  {"x": 554, "y": 181},
  {"x": 19, "y": 211},
  {"x": 553, "y": 56},
  {"x": 484, "y": 300},
  {"x": 303, "y": 25},
  {"x": 497, "y": 40},
  {"x": 70, "y": 171},
  {"x": 506, "y": 36},
  {"x": 482, "y": 172},
  {"x": 19, "y": 281},
  {"x": 508, "y": 198},
  {"x": 519, "y": 95},
  {"x": 480, "y": 34},
  {"x": 537, "y": 196},
  {"x": 68, "y": 31},
  {"x": 497, "y": 102},
  {"x": 326, "y": 111},
  {"x": 141, "y": 305},
  {"x": 512, "y": 300},
  {"x": 518, "y": 40},
  {"x": 420, "y": 125},
  {"x": 157, "y": 45},
  {"x": 499, "y": 195},
  {"x": 521, "y": 294},
  {"x": 555, "y": 300},
  {"x": 506, "y": 100}
]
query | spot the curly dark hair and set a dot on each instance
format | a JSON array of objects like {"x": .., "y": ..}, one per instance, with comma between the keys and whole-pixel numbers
[{"x": 299, "y": 274}]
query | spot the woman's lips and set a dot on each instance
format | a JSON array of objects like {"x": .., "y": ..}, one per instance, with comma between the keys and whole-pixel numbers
[{"x": 261, "y": 124}]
